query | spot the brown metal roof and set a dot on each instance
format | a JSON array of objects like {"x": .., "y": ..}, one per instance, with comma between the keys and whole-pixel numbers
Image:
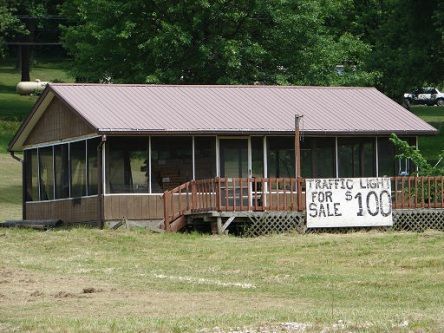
[
  {"x": 187, "y": 109},
  {"x": 248, "y": 109}
]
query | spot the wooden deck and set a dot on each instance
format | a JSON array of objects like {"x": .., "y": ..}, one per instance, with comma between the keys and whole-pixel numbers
[{"x": 235, "y": 196}]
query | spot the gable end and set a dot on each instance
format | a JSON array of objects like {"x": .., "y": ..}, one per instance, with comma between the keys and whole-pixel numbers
[{"x": 57, "y": 123}]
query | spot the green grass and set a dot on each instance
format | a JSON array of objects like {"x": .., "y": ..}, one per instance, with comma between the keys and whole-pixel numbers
[
  {"x": 431, "y": 146},
  {"x": 10, "y": 188},
  {"x": 146, "y": 282}
]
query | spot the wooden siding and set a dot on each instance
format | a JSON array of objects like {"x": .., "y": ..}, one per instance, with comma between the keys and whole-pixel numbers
[
  {"x": 133, "y": 207},
  {"x": 68, "y": 210},
  {"x": 58, "y": 122}
]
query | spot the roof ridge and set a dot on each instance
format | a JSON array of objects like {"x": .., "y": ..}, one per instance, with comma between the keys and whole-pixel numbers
[{"x": 226, "y": 86}]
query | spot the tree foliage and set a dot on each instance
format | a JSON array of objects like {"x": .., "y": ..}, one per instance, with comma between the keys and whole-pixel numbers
[
  {"x": 214, "y": 42},
  {"x": 9, "y": 23},
  {"x": 392, "y": 44},
  {"x": 405, "y": 151},
  {"x": 407, "y": 43}
]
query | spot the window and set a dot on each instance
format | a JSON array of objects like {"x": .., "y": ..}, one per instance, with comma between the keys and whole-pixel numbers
[
  {"x": 78, "y": 168},
  {"x": 31, "y": 175},
  {"x": 356, "y": 157},
  {"x": 61, "y": 164},
  {"x": 46, "y": 171},
  {"x": 171, "y": 162},
  {"x": 205, "y": 157},
  {"x": 127, "y": 165},
  {"x": 280, "y": 157}
]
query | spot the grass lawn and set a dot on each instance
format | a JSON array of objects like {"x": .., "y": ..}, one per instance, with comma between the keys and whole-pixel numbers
[
  {"x": 432, "y": 145},
  {"x": 135, "y": 281},
  {"x": 10, "y": 188}
]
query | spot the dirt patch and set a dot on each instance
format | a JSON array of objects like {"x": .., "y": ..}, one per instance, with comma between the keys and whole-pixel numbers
[
  {"x": 64, "y": 294},
  {"x": 37, "y": 293},
  {"x": 92, "y": 290},
  {"x": 6, "y": 272}
]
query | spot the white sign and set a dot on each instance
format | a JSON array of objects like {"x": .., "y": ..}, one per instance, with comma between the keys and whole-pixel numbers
[{"x": 348, "y": 202}]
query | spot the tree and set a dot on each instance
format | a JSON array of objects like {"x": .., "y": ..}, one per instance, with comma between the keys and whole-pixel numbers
[
  {"x": 405, "y": 151},
  {"x": 9, "y": 24},
  {"x": 23, "y": 22},
  {"x": 213, "y": 42},
  {"x": 407, "y": 38}
]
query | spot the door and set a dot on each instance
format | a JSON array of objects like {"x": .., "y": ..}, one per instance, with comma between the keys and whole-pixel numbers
[
  {"x": 233, "y": 166},
  {"x": 233, "y": 158}
]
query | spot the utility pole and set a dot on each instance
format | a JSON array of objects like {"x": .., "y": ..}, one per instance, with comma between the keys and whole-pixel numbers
[{"x": 297, "y": 146}]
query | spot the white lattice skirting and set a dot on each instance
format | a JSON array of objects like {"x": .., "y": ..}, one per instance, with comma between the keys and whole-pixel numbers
[{"x": 416, "y": 220}]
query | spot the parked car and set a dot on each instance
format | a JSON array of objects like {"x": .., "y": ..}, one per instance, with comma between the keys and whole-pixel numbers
[{"x": 424, "y": 96}]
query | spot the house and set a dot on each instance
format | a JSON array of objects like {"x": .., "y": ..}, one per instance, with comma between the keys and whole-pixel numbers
[{"x": 96, "y": 153}]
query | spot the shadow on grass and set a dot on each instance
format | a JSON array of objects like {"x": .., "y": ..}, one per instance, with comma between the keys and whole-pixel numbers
[
  {"x": 7, "y": 88},
  {"x": 7, "y": 131}
]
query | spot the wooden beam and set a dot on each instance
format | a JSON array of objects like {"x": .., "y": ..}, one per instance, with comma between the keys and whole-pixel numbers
[
  {"x": 178, "y": 224},
  {"x": 227, "y": 224}
]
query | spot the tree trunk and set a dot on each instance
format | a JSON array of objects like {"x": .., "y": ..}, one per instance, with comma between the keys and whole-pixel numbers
[{"x": 25, "y": 60}]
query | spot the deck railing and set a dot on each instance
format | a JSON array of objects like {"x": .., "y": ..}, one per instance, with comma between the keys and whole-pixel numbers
[
  {"x": 281, "y": 194},
  {"x": 418, "y": 192}
]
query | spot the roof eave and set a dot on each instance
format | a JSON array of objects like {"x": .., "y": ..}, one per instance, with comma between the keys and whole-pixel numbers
[
  {"x": 160, "y": 132},
  {"x": 15, "y": 144},
  {"x": 12, "y": 143}
]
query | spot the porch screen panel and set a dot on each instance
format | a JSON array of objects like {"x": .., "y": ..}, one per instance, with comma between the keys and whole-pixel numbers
[
  {"x": 171, "y": 162},
  {"x": 389, "y": 165},
  {"x": 205, "y": 157},
  {"x": 46, "y": 174},
  {"x": 61, "y": 163},
  {"x": 280, "y": 156},
  {"x": 318, "y": 157},
  {"x": 127, "y": 165},
  {"x": 307, "y": 157},
  {"x": 324, "y": 158},
  {"x": 31, "y": 175},
  {"x": 386, "y": 157},
  {"x": 356, "y": 157},
  {"x": 92, "y": 166},
  {"x": 78, "y": 169},
  {"x": 257, "y": 156},
  {"x": 404, "y": 166}
]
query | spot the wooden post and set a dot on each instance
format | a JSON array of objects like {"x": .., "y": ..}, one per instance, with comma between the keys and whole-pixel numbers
[
  {"x": 218, "y": 194},
  {"x": 219, "y": 225},
  {"x": 193, "y": 195},
  {"x": 165, "y": 211},
  {"x": 297, "y": 156}
]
